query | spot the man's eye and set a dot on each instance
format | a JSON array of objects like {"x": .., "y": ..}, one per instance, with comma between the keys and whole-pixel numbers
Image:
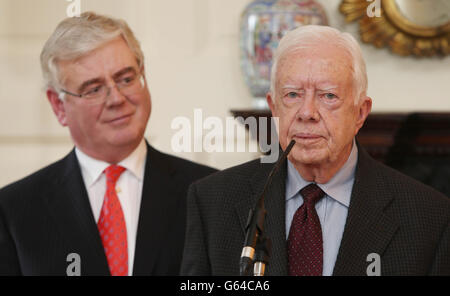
[
  {"x": 94, "y": 90},
  {"x": 127, "y": 80},
  {"x": 330, "y": 96},
  {"x": 292, "y": 95}
]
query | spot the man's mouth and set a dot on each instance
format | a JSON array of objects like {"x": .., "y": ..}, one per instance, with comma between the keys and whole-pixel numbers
[
  {"x": 120, "y": 119},
  {"x": 306, "y": 137}
]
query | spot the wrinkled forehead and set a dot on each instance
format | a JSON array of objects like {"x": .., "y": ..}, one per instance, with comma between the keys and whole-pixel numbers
[
  {"x": 106, "y": 60},
  {"x": 315, "y": 64}
]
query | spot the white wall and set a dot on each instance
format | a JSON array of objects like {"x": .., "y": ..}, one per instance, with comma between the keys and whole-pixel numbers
[{"x": 192, "y": 61}]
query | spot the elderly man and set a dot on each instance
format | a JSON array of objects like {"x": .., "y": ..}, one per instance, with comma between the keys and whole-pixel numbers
[
  {"x": 114, "y": 205},
  {"x": 332, "y": 209}
]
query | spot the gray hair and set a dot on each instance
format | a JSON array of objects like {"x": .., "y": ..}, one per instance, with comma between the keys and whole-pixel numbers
[
  {"x": 77, "y": 36},
  {"x": 312, "y": 35}
]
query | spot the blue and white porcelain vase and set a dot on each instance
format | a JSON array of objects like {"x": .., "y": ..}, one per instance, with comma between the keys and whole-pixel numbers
[{"x": 263, "y": 24}]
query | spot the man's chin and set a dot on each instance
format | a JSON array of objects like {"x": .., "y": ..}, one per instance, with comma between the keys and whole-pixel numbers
[
  {"x": 307, "y": 156},
  {"x": 125, "y": 138}
]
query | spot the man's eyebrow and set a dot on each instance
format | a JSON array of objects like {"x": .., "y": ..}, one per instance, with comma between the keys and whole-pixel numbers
[
  {"x": 124, "y": 71},
  {"x": 85, "y": 84},
  {"x": 121, "y": 72}
]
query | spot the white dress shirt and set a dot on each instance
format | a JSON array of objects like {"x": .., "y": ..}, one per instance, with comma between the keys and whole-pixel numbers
[
  {"x": 128, "y": 188},
  {"x": 332, "y": 209}
]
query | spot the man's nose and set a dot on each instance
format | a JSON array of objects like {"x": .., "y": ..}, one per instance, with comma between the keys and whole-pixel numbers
[
  {"x": 114, "y": 96},
  {"x": 308, "y": 108}
]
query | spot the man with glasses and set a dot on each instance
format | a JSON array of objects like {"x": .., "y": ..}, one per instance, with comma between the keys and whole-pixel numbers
[{"x": 114, "y": 205}]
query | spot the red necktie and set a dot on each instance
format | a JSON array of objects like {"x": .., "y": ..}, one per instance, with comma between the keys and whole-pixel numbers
[
  {"x": 111, "y": 225},
  {"x": 305, "y": 245}
]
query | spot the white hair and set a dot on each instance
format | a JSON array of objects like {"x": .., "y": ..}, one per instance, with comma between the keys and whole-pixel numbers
[
  {"x": 305, "y": 37},
  {"x": 77, "y": 36}
]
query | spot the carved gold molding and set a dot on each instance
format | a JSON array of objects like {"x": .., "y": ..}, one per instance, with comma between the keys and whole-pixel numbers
[{"x": 394, "y": 30}]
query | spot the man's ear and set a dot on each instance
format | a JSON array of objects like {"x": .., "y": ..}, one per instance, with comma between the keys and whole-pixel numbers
[
  {"x": 270, "y": 101},
  {"x": 57, "y": 106},
  {"x": 363, "y": 111}
]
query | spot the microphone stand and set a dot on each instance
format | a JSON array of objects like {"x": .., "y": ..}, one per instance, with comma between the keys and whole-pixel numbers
[
  {"x": 262, "y": 254},
  {"x": 257, "y": 247}
]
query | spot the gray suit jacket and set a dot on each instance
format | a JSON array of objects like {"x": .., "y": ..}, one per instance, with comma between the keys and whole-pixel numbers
[{"x": 402, "y": 220}]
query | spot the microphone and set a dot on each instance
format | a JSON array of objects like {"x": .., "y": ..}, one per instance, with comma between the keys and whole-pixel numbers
[{"x": 255, "y": 223}]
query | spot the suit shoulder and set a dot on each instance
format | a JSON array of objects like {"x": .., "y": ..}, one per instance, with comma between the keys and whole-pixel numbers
[
  {"x": 35, "y": 182},
  {"x": 236, "y": 175},
  {"x": 412, "y": 190},
  {"x": 189, "y": 168}
]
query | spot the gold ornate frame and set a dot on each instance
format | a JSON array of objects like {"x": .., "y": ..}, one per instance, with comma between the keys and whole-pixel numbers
[{"x": 394, "y": 30}]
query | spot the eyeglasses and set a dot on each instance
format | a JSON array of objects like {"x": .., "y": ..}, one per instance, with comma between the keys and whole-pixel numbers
[{"x": 129, "y": 85}]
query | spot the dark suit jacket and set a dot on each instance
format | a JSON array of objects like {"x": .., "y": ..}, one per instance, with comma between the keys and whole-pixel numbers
[
  {"x": 404, "y": 221},
  {"x": 46, "y": 216}
]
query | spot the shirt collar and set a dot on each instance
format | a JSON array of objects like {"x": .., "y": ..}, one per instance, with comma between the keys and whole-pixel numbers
[
  {"x": 339, "y": 187},
  {"x": 93, "y": 168}
]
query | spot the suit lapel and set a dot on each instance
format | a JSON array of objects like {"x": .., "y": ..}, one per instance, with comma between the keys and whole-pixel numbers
[
  {"x": 156, "y": 212},
  {"x": 68, "y": 204},
  {"x": 275, "y": 219},
  {"x": 368, "y": 229}
]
